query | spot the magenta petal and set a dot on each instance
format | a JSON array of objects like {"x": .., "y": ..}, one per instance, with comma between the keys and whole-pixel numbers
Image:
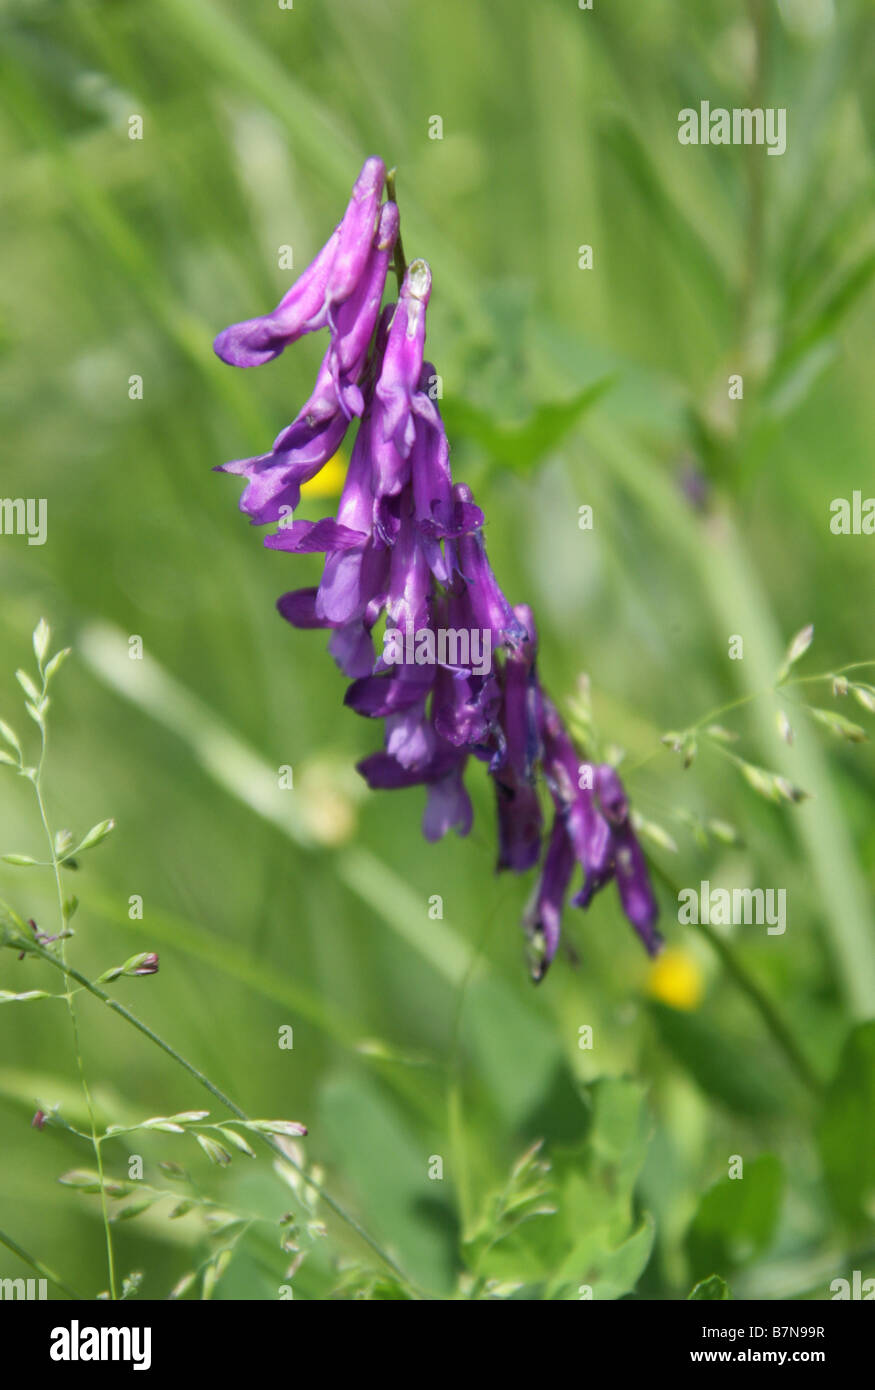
[
  {"x": 353, "y": 649},
  {"x": 339, "y": 597},
  {"x": 356, "y": 233},
  {"x": 309, "y": 536},
  {"x": 544, "y": 916},
  {"x": 448, "y": 807},
  {"x": 377, "y": 696},
  {"x": 256, "y": 341},
  {"x": 299, "y": 608},
  {"x": 636, "y": 894}
]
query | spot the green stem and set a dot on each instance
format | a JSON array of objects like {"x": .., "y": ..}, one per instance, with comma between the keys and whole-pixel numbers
[
  {"x": 755, "y": 995},
  {"x": 765, "y": 1008},
  {"x": 748, "y": 699},
  {"x": 74, "y": 1021},
  {"x": 399, "y": 264},
  {"x": 776, "y": 689},
  {"x": 38, "y": 1265}
]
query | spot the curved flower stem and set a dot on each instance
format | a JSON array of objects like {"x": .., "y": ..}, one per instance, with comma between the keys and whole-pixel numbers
[
  {"x": 38, "y": 1265},
  {"x": 36, "y": 948},
  {"x": 756, "y": 996},
  {"x": 399, "y": 264},
  {"x": 777, "y": 688},
  {"x": 765, "y": 1008},
  {"x": 743, "y": 700},
  {"x": 71, "y": 1008}
]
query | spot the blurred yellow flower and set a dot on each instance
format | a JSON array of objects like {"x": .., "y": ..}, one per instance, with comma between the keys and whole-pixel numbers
[
  {"x": 328, "y": 481},
  {"x": 675, "y": 979}
]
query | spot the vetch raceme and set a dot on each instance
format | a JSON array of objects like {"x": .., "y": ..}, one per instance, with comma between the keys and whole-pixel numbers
[{"x": 406, "y": 548}]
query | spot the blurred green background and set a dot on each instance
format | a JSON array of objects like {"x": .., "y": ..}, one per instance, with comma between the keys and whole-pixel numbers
[{"x": 417, "y": 1038}]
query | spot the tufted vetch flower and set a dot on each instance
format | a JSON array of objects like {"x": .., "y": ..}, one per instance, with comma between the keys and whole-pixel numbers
[{"x": 456, "y": 675}]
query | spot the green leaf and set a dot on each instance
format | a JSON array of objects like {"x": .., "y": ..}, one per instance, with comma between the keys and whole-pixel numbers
[
  {"x": 28, "y": 686},
  {"x": 37, "y": 712},
  {"x": 56, "y": 663},
  {"x": 668, "y": 213},
  {"x": 290, "y": 1128},
  {"x": 63, "y": 842},
  {"x": 826, "y": 320},
  {"x": 214, "y": 1151},
  {"x": 723, "y": 831},
  {"x": 846, "y": 1132},
  {"x": 521, "y": 446},
  {"x": 721, "y": 734},
  {"x": 839, "y": 725},
  {"x": 701, "y": 1049},
  {"x": 713, "y": 1288},
  {"x": 865, "y": 696},
  {"x": 375, "y": 1145},
  {"x": 736, "y": 1218},
  {"x": 182, "y": 1209},
  {"x": 95, "y": 835},
  {"x": 134, "y": 1209},
  {"x": 770, "y": 784},
  {"x": 9, "y": 734},
  {"x": 653, "y": 832},
  {"x": 213, "y": 1273},
  {"x": 581, "y": 1231},
  {"x": 183, "y": 1285},
  {"x": 81, "y": 1178},
  {"x": 797, "y": 649},
  {"x": 41, "y": 636},
  {"x": 238, "y": 1141}
]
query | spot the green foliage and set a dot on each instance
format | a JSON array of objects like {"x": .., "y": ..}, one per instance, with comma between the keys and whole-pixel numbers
[
  {"x": 736, "y": 1218},
  {"x": 416, "y": 1037},
  {"x": 567, "y": 1228},
  {"x": 846, "y": 1131},
  {"x": 702, "y": 1050},
  {"x": 713, "y": 1288},
  {"x": 521, "y": 446}
]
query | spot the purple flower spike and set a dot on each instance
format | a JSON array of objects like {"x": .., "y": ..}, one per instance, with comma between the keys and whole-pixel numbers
[{"x": 457, "y": 674}]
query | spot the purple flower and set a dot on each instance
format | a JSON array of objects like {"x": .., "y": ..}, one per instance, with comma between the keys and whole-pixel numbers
[
  {"x": 327, "y": 282},
  {"x": 457, "y": 676},
  {"x": 543, "y": 916},
  {"x": 513, "y": 769},
  {"x": 448, "y": 805}
]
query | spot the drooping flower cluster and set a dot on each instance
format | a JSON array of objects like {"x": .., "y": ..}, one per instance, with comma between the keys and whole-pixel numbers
[{"x": 456, "y": 674}]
